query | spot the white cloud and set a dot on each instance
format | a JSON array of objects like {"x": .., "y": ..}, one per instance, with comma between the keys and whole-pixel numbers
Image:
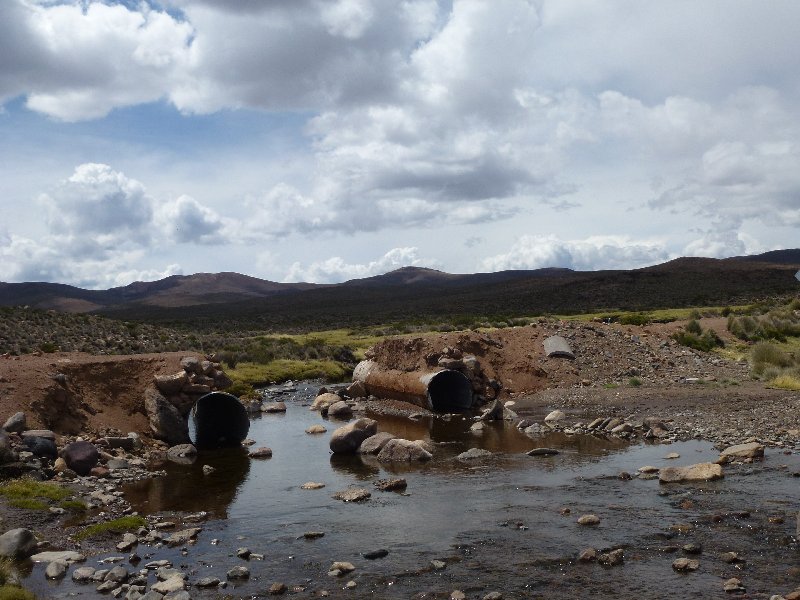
[
  {"x": 593, "y": 253},
  {"x": 335, "y": 269},
  {"x": 186, "y": 220}
]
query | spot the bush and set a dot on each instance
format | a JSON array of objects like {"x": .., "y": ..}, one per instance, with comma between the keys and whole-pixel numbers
[
  {"x": 694, "y": 327},
  {"x": 704, "y": 342},
  {"x": 635, "y": 319},
  {"x": 765, "y": 354}
]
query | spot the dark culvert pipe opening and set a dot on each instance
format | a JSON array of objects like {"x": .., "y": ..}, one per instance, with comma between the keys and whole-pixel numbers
[
  {"x": 449, "y": 391},
  {"x": 219, "y": 420}
]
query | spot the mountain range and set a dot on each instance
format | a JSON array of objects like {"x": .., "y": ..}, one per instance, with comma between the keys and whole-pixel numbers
[{"x": 414, "y": 292}]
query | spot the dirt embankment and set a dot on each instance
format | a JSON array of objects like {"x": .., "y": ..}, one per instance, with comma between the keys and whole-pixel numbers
[{"x": 72, "y": 393}]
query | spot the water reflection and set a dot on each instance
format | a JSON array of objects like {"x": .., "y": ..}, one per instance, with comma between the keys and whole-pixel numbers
[
  {"x": 188, "y": 488},
  {"x": 355, "y": 465}
]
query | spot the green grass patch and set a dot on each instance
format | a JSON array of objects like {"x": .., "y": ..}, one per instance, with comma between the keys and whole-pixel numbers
[
  {"x": 610, "y": 386},
  {"x": 19, "y": 489},
  {"x": 120, "y": 525},
  {"x": 285, "y": 369},
  {"x": 13, "y": 592},
  {"x": 634, "y": 382},
  {"x": 28, "y": 504},
  {"x": 73, "y": 505}
]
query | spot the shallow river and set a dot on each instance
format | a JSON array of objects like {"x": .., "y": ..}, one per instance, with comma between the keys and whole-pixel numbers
[{"x": 497, "y": 523}]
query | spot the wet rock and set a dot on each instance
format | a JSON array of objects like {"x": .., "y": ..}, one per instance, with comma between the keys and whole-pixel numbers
[
  {"x": 315, "y": 429},
  {"x": 352, "y": 495},
  {"x": 273, "y": 407},
  {"x": 693, "y": 548},
  {"x": 375, "y": 554},
  {"x": 324, "y": 401},
  {"x": 208, "y": 469},
  {"x": 587, "y": 555},
  {"x": 40, "y": 446},
  {"x": 458, "y": 595},
  {"x": 83, "y": 574},
  {"x": 542, "y": 452},
  {"x": 80, "y": 456},
  {"x": 734, "y": 584},
  {"x": 554, "y": 417},
  {"x": 698, "y": 472},
  {"x": 340, "y": 410},
  {"x": 399, "y": 450},
  {"x": 589, "y": 520},
  {"x": 118, "y": 574},
  {"x": 477, "y": 427},
  {"x": 260, "y": 452},
  {"x": 312, "y": 485},
  {"x": 474, "y": 454},
  {"x": 176, "y": 583},
  {"x": 16, "y": 423},
  {"x": 238, "y": 572},
  {"x": 731, "y": 557},
  {"x": 493, "y": 413},
  {"x": 340, "y": 568},
  {"x": 375, "y": 443},
  {"x": 751, "y": 450},
  {"x": 391, "y": 485},
  {"x": 243, "y": 553},
  {"x": 612, "y": 559},
  {"x": 685, "y": 564},
  {"x": 356, "y": 390},
  {"x": 17, "y": 543},
  {"x": 179, "y": 538},
  {"x": 56, "y": 570},
  {"x": 493, "y": 596},
  {"x": 672, "y": 455},
  {"x": 166, "y": 422},
  {"x": 129, "y": 540},
  {"x": 277, "y": 589},
  {"x": 347, "y": 439},
  {"x": 207, "y": 582},
  {"x": 313, "y": 535},
  {"x": 438, "y": 565},
  {"x": 106, "y": 586},
  {"x": 66, "y": 556}
]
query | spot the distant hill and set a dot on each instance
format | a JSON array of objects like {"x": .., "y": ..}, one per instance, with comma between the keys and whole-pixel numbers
[{"x": 414, "y": 293}]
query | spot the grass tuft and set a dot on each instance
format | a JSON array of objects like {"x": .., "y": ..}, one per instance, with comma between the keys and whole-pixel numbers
[
  {"x": 28, "y": 504},
  {"x": 120, "y": 525},
  {"x": 785, "y": 382},
  {"x": 18, "y": 489}
]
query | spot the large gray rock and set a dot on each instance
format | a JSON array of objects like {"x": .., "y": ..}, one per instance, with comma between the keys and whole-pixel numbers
[
  {"x": 375, "y": 443},
  {"x": 323, "y": 401},
  {"x": 166, "y": 421},
  {"x": 347, "y": 439},
  {"x": 171, "y": 384},
  {"x": 7, "y": 454},
  {"x": 41, "y": 446},
  {"x": 750, "y": 450},
  {"x": 16, "y": 423},
  {"x": 340, "y": 410},
  {"x": 80, "y": 456},
  {"x": 399, "y": 450},
  {"x": 692, "y": 473},
  {"x": 17, "y": 543}
]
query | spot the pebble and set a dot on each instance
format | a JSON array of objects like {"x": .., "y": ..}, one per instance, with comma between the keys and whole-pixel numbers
[
  {"x": 589, "y": 520},
  {"x": 734, "y": 584},
  {"x": 438, "y": 565},
  {"x": 612, "y": 559},
  {"x": 375, "y": 554},
  {"x": 391, "y": 485},
  {"x": 261, "y": 452},
  {"x": 313, "y": 535},
  {"x": 352, "y": 495},
  {"x": 685, "y": 564},
  {"x": 312, "y": 485},
  {"x": 277, "y": 589},
  {"x": 238, "y": 572},
  {"x": 587, "y": 555}
]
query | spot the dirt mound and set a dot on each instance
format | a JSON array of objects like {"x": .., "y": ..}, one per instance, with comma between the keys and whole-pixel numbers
[
  {"x": 605, "y": 354},
  {"x": 74, "y": 393}
]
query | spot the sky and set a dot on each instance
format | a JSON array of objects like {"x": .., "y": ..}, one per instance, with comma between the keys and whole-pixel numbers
[{"x": 327, "y": 140}]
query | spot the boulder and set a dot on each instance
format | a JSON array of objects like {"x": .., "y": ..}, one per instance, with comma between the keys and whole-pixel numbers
[
  {"x": 348, "y": 438},
  {"x": 493, "y": 413},
  {"x": 170, "y": 385},
  {"x": 16, "y": 423},
  {"x": 261, "y": 452},
  {"x": 181, "y": 451},
  {"x": 340, "y": 410},
  {"x": 7, "y": 454},
  {"x": 751, "y": 450},
  {"x": 400, "y": 450},
  {"x": 557, "y": 346},
  {"x": 698, "y": 472},
  {"x": 555, "y": 416},
  {"x": 41, "y": 446},
  {"x": 323, "y": 401},
  {"x": 192, "y": 364},
  {"x": 166, "y": 421},
  {"x": 17, "y": 543},
  {"x": 222, "y": 381},
  {"x": 375, "y": 443},
  {"x": 357, "y": 390},
  {"x": 80, "y": 456},
  {"x": 474, "y": 454},
  {"x": 273, "y": 407},
  {"x": 353, "y": 494}
]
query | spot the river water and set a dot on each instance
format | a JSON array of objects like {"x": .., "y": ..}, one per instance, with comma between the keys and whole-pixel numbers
[{"x": 507, "y": 523}]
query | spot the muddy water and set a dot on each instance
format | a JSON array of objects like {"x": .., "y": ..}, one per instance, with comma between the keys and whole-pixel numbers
[{"x": 499, "y": 524}]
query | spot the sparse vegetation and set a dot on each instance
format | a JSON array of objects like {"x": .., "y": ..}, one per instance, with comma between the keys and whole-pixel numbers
[
  {"x": 694, "y": 336},
  {"x": 18, "y": 490},
  {"x": 9, "y": 591},
  {"x": 116, "y": 526}
]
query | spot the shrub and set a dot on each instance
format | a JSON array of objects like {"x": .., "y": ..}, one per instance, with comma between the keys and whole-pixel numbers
[
  {"x": 694, "y": 327},
  {"x": 785, "y": 382},
  {"x": 705, "y": 342},
  {"x": 634, "y": 382},
  {"x": 765, "y": 354},
  {"x": 635, "y": 319}
]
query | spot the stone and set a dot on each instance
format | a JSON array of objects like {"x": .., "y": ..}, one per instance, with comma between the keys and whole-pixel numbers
[
  {"x": 315, "y": 429},
  {"x": 66, "y": 556},
  {"x": 375, "y": 443},
  {"x": 557, "y": 347},
  {"x": 458, "y": 595},
  {"x": 207, "y": 582},
  {"x": 83, "y": 574},
  {"x": 17, "y": 543},
  {"x": 347, "y": 439},
  {"x": 118, "y": 463},
  {"x": 16, "y": 423},
  {"x": 685, "y": 564},
  {"x": 192, "y": 364},
  {"x": 39, "y": 433},
  {"x": 555, "y": 416},
  {"x": 179, "y": 538},
  {"x": 129, "y": 540},
  {"x": 612, "y": 559},
  {"x": 340, "y": 568},
  {"x": 260, "y": 452},
  {"x": 438, "y": 565},
  {"x": 273, "y": 407},
  {"x": 375, "y": 554},
  {"x": 7, "y": 454},
  {"x": 474, "y": 454},
  {"x": 208, "y": 469},
  {"x": 356, "y": 390},
  {"x": 352, "y": 495},
  {"x": 751, "y": 450},
  {"x": 42, "y": 447},
  {"x": 169, "y": 385},
  {"x": 56, "y": 570},
  {"x": 277, "y": 589},
  {"x": 672, "y": 455},
  {"x": 80, "y": 456},
  {"x": 391, "y": 485},
  {"x": 693, "y": 548},
  {"x": 323, "y": 402},
  {"x": 542, "y": 452},
  {"x": 340, "y": 410},
  {"x": 181, "y": 451},
  {"x": 477, "y": 427},
  {"x": 493, "y": 596},
  {"x": 587, "y": 555},
  {"x": 734, "y": 584},
  {"x": 118, "y": 574},
  {"x": 238, "y": 572},
  {"x": 175, "y": 583},
  {"x": 312, "y": 485},
  {"x": 493, "y": 413},
  {"x": 166, "y": 422},
  {"x": 692, "y": 473},
  {"x": 313, "y": 535},
  {"x": 589, "y": 520},
  {"x": 400, "y": 450}
]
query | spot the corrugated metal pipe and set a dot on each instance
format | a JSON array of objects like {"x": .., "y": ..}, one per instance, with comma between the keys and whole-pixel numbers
[
  {"x": 444, "y": 390},
  {"x": 220, "y": 419}
]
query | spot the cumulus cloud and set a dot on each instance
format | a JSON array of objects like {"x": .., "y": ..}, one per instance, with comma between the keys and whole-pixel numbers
[
  {"x": 593, "y": 253},
  {"x": 335, "y": 269},
  {"x": 186, "y": 220}
]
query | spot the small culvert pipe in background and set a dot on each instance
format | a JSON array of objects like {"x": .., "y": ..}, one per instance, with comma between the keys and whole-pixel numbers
[
  {"x": 220, "y": 419},
  {"x": 443, "y": 391}
]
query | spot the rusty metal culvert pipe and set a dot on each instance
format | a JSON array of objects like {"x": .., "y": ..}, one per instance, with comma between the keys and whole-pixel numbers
[
  {"x": 220, "y": 419},
  {"x": 445, "y": 390}
]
